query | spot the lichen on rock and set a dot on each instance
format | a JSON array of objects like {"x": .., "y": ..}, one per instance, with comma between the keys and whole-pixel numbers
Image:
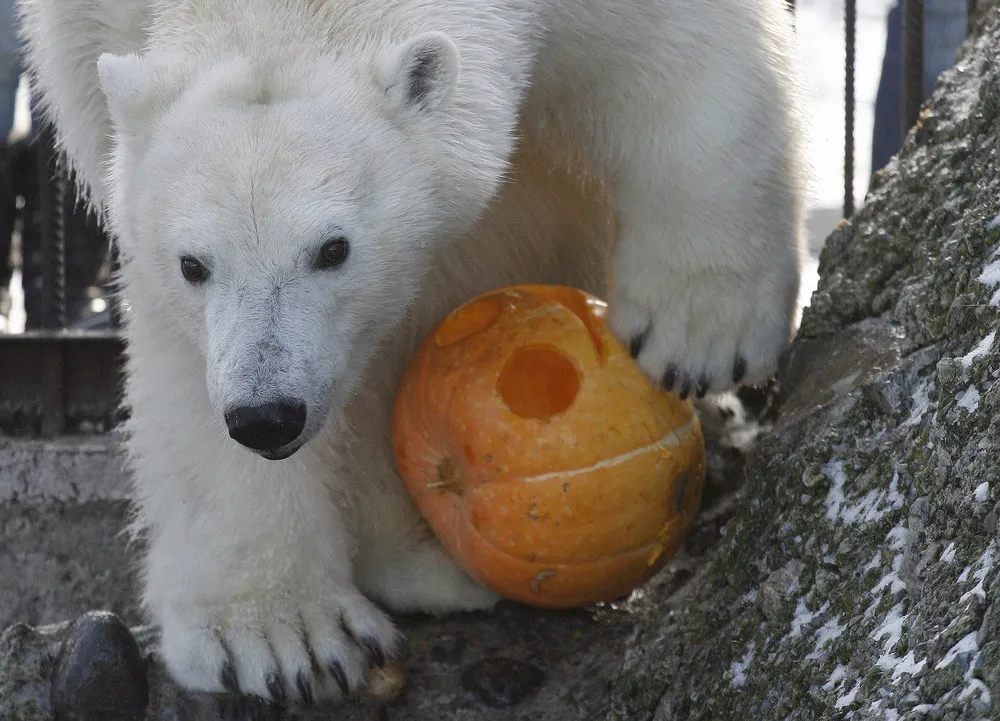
[{"x": 858, "y": 577}]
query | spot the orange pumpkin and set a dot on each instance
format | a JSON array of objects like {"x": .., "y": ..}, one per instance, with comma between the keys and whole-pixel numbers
[{"x": 542, "y": 457}]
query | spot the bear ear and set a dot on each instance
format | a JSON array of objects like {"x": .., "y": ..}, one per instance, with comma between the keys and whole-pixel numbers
[
  {"x": 422, "y": 72},
  {"x": 127, "y": 82}
]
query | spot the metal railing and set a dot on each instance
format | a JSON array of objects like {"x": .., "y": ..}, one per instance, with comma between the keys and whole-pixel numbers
[{"x": 56, "y": 378}]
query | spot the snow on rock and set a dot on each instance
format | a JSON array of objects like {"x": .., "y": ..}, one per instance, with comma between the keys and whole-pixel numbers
[
  {"x": 803, "y": 617},
  {"x": 948, "y": 555},
  {"x": 889, "y": 632},
  {"x": 738, "y": 669},
  {"x": 848, "y": 698},
  {"x": 871, "y": 507},
  {"x": 990, "y": 277},
  {"x": 969, "y": 399},
  {"x": 920, "y": 403},
  {"x": 982, "y": 492},
  {"x": 834, "y": 470},
  {"x": 981, "y": 349},
  {"x": 838, "y": 674},
  {"x": 967, "y": 645},
  {"x": 980, "y": 570},
  {"x": 829, "y": 631}
]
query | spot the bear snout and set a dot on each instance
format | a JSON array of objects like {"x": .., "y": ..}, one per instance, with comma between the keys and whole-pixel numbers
[{"x": 268, "y": 428}]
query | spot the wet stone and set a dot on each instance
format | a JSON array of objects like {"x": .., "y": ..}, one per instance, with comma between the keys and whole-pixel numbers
[
  {"x": 100, "y": 674},
  {"x": 501, "y": 682}
]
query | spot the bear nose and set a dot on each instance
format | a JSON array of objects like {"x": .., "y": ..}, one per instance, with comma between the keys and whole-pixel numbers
[{"x": 269, "y": 426}]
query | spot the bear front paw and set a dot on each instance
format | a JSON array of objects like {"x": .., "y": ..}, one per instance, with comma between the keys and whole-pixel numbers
[
  {"x": 279, "y": 651},
  {"x": 700, "y": 335}
]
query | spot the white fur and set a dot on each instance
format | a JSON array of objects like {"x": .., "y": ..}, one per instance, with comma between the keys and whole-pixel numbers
[{"x": 246, "y": 132}]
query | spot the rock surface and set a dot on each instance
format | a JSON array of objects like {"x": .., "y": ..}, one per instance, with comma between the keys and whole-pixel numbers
[
  {"x": 858, "y": 577},
  {"x": 854, "y": 575},
  {"x": 63, "y": 504}
]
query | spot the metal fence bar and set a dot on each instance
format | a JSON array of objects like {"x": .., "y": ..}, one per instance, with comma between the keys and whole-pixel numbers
[
  {"x": 850, "y": 37},
  {"x": 51, "y": 295},
  {"x": 57, "y": 293},
  {"x": 114, "y": 301},
  {"x": 913, "y": 63}
]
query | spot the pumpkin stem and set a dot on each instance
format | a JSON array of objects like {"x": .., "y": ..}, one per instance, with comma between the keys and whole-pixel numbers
[{"x": 446, "y": 477}]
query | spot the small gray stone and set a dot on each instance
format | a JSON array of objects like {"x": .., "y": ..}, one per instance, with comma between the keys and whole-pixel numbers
[
  {"x": 775, "y": 591},
  {"x": 990, "y": 523}
]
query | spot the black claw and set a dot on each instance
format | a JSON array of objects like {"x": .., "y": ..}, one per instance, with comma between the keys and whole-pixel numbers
[
  {"x": 227, "y": 677},
  {"x": 224, "y": 709},
  {"x": 255, "y": 710},
  {"x": 304, "y": 686},
  {"x": 375, "y": 655},
  {"x": 685, "y": 390},
  {"x": 241, "y": 709},
  {"x": 669, "y": 378},
  {"x": 337, "y": 671},
  {"x": 739, "y": 369},
  {"x": 703, "y": 383},
  {"x": 635, "y": 345},
  {"x": 276, "y": 687}
]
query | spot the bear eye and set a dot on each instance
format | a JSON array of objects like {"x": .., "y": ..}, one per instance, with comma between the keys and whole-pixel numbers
[
  {"x": 333, "y": 253},
  {"x": 193, "y": 271}
]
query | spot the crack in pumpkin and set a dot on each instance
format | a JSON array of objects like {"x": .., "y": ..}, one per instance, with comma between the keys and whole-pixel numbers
[{"x": 671, "y": 440}]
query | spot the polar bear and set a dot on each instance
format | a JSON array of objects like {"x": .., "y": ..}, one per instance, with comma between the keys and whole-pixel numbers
[{"x": 301, "y": 189}]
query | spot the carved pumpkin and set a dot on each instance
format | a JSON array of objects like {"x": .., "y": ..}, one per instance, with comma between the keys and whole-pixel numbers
[{"x": 542, "y": 457}]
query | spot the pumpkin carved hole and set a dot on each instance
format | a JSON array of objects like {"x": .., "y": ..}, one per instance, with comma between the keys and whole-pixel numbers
[{"x": 538, "y": 381}]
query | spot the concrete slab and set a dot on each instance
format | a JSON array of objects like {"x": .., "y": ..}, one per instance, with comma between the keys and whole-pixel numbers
[{"x": 62, "y": 512}]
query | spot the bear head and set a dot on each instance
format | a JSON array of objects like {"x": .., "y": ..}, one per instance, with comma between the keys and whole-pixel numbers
[{"x": 283, "y": 211}]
